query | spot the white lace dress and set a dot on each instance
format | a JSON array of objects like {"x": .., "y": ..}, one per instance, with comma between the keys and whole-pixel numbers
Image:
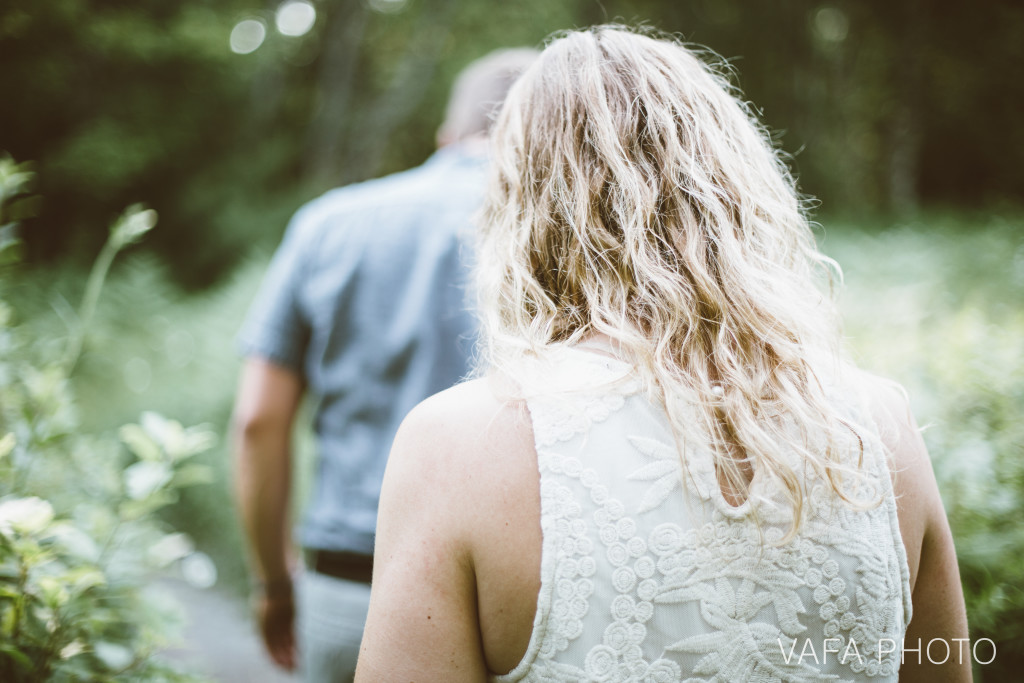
[{"x": 647, "y": 576}]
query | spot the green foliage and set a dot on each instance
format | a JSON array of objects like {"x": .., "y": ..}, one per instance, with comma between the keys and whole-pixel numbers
[
  {"x": 151, "y": 345},
  {"x": 14, "y": 206},
  {"x": 884, "y": 107},
  {"x": 935, "y": 304},
  {"x": 79, "y": 537}
]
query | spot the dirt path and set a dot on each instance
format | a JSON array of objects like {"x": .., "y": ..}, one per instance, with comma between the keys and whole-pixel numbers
[{"x": 220, "y": 638}]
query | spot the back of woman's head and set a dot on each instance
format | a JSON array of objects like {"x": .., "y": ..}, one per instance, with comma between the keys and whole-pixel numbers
[{"x": 635, "y": 195}]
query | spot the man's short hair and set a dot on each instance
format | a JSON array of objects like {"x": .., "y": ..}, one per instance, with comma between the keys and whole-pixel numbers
[{"x": 479, "y": 91}]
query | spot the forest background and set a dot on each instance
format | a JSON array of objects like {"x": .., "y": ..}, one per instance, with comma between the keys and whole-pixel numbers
[{"x": 902, "y": 118}]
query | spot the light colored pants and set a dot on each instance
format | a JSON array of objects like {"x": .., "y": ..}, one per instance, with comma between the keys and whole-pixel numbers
[{"x": 331, "y": 617}]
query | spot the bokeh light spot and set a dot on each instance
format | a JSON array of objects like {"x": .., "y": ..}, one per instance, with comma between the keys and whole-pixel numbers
[
  {"x": 387, "y": 6},
  {"x": 831, "y": 24},
  {"x": 180, "y": 347},
  {"x": 247, "y": 36},
  {"x": 295, "y": 17},
  {"x": 137, "y": 375},
  {"x": 199, "y": 570}
]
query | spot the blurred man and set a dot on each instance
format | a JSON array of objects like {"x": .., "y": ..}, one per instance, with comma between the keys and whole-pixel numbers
[{"x": 363, "y": 307}]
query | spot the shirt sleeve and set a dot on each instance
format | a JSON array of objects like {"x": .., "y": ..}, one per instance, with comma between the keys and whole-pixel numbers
[{"x": 277, "y": 326}]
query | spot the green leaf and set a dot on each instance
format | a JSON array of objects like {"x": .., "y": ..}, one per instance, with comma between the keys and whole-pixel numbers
[
  {"x": 135, "y": 222},
  {"x": 191, "y": 475},
  {"x": 75, "y": 647},
  {"x": 53, "y": 591},
  {"x": 131, "y": 510},
  {"x": 145, "y": 478},
  {"x": 7, "y": 444},
  {"x": 81, "y": 579},
  {"x": 140, "y": 443},
  {"x": 46, "y": 616},
  {"x": 29, "y": 515},
  {"x": 170, "y": 548},
  {"x": 7, "y": 624},
  {"x": 195, "y": 440},
  {"x": 10, "y": 247},
  {"x": 20, "y": 658},
  {"x": 75, "y": 541},
  {"x": 177, "y": 442},
  {"x": 113, "y": 656},
  {"x": 31, "y": 553},
  {"x": 15, "y": 178}
]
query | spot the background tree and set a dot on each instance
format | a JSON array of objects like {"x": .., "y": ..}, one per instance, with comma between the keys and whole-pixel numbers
[{"x": 887, "y": 106}]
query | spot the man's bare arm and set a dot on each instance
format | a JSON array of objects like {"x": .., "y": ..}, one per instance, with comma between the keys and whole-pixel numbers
[{"x": 268, "y": 400}]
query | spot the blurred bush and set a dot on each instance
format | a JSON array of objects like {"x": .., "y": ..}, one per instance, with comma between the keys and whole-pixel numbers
[
  {"x": 936, "y": 305},
  {"x": 151, "y": 344},
  {"x": 79, "y": 537}
]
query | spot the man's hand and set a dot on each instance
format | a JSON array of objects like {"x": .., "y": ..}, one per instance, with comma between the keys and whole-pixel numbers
[{"x": 275, "y": 611}]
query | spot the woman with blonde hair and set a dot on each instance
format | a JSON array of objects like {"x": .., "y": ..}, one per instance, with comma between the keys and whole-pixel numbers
[{"x": 667, "y": 471}]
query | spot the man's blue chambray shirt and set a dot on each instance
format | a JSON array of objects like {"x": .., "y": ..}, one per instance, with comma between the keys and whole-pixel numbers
[{"x": 366, "y": 300}]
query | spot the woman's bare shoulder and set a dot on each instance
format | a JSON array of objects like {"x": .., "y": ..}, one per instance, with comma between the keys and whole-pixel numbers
[
  {"x": 466, "y": 439},
  {"x": 468, "y": 413},
  {"x": 918, "y": 503},
  {"x": 889, "y": 408}
]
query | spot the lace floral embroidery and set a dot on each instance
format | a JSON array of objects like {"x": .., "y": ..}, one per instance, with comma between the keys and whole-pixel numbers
[{"x": 739, "y": 604}]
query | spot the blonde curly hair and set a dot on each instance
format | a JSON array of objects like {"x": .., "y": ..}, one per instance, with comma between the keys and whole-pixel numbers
[{"x": 635, "y": 195}]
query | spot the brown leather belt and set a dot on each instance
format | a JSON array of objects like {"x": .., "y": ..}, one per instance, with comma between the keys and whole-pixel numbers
[{"x": 341, "y": 564}]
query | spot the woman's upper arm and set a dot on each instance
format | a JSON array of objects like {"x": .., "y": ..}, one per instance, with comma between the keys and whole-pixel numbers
[
  {"x": 423, "y": 624},
  {"x": 937, "y": 595}
]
